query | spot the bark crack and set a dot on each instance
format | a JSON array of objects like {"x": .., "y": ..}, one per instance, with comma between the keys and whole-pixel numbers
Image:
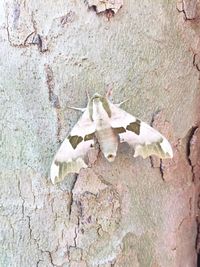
[
  {"x": 75, "y": 237},
  {"x": 38, "y": 262},
  {"x": 198, "y": 236},
  {"x": 20, "y": 195},
  {"x": 161, "y": 170},
  {"x": 53, "y": 98},
  {"x": 195, "y": 62},
  {"x": 29, "y": 226},
  {"x": 9, "y": 37},
  {"x": 71, "y": 201},
  {"x": 188, "y": 150},
  {"x": 50, "y": 256},
  {"x": 186, "y": 10},
  {"x": 33, "y": 38}
]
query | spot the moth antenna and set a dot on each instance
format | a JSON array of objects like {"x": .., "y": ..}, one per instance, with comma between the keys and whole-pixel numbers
[
  {"x": 109, "y": 92},
  {"x": 77, "y": 109},
  {"x": 88, "y": 95}
]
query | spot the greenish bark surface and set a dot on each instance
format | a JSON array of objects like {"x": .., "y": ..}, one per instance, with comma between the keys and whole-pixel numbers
[{"x": 132, "y": 212}]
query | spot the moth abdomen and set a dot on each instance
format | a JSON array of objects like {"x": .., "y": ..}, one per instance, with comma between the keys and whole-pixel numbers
[{"x": 108, "y": 142}]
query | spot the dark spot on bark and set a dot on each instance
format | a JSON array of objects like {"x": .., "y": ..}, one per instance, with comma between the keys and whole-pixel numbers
[
  {"x": 53, "y": 98},
  {"x": 68, "y": 18},
  {"x": 16, "y": 14},
  {"x": 89, "y": 219},
  {"x": 37, "y": 40}
]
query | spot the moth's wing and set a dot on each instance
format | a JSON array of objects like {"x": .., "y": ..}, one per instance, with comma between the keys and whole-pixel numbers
[
  {"x": 70, "y": 156},
  {"x": 143, "y": 138}
]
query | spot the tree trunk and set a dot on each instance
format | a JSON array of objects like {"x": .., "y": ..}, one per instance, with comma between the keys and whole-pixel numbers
[{"x": 129, "y": 213}]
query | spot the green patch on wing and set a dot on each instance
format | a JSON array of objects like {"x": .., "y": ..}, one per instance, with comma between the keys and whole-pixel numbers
[
  {"x": 75, "y": 140},
  {"x": 106, "y": 106},
  {"x": 155, "y": 148},
  {"x": 89, "y": 137},
  {"x": 66, "y": 168},
  {"x": 119, "y": 130},
  {"x": 134, "y": 127}
]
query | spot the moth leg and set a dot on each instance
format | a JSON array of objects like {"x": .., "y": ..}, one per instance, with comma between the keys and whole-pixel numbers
[
  {"x": 77, "y": 109},
  {"x": 121, "y": 103}
]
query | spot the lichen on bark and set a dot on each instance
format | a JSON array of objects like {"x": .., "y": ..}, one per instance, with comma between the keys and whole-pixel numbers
[{"x": 112, "y": 214}]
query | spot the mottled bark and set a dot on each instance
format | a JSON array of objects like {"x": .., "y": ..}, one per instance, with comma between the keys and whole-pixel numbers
[{"x": 132, "y": 212}]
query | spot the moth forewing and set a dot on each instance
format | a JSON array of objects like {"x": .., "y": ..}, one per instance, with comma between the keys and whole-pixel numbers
[{"x": 71, "y": 154}]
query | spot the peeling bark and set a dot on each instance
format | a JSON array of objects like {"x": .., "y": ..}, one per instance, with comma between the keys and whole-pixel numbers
[
  {"x": 105, "y": 5},
  {"x": 132, "y": 212}
]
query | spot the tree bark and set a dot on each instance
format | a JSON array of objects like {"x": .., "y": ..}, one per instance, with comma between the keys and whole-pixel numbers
[{"x": 132, "y": 212}]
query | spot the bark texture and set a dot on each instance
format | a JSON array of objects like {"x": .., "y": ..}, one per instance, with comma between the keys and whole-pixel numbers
[{"x": 133, "y": 212}]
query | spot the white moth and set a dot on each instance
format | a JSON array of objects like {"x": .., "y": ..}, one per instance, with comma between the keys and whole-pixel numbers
[{"x": 108, "y": 124}]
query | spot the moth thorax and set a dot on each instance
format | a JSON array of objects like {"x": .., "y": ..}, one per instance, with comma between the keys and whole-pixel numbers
[{"x": 99, "y": 112}]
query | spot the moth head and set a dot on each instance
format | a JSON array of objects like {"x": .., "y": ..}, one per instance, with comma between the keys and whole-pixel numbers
[
  {"x": 110, "y": 156},
  {"x": 96, "y": 95},
  {"x": 96, "y": 98}
]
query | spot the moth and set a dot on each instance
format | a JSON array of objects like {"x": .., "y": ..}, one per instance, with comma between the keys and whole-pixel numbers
[{"x": 109, "y": 125}]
